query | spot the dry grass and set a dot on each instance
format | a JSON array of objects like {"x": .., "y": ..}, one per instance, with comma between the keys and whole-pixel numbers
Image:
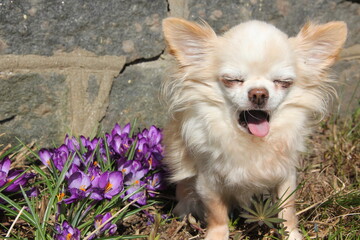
[{"x": 330, "y": 197}]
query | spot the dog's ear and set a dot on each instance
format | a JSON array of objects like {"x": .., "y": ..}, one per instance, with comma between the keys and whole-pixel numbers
[
  {"x": 189, "y": 42},
  {"x": 320, "y": 45}
]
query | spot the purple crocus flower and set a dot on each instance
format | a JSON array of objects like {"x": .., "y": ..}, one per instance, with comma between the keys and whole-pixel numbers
[
  {"x": 108, "y": 185},
  {"x": 149, "y": 148},
  {"x": 149, "y": 156},
  {"x": 151, "y": 217},
  {"x": 137, "y": 172},
  {"x": 99, "y": 220},
  {"x": 21, "y": 181},
  {"x": 79, "y": 180},
  {"x": 155, "y": 183},
  {"x": 94, "y": 173},
  {"x": 132, "y": 174},
  {"x": 133, "y": 180},
  {"x": 74, "y": 167},
  {"x": 71, "y": 143},
  {"x": 45, "y": 157},
  {"x": 119, "y": 140},
  {"x": 11, "y": 176},
  {"x": 4, "y": 170},
  {"x": 58, "y": 156},
  {"x": 79, "y": 187},
  {"x": 66, "y": 232},
  {"x": 140, "y": 195},
  {"x": 121, "y": 144},
  {"x": 142, "y": 148},
  {"x": 33, "y": 192},
  {"x": 125, "y": 166},
  {"x": 89, "y": 144},
  {"x": 153, "y": 135},
  {"x": 117, "y": 130}
]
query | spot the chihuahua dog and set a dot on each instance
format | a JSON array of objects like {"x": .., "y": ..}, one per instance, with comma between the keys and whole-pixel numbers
[{"x": 240, "y": 105}]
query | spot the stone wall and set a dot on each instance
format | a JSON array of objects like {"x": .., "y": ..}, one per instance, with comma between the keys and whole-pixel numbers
[{"x": 77, "y": 66}]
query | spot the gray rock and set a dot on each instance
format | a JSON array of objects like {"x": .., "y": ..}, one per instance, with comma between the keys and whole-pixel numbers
[
  {"x": 348, "y": 87},
  {"x": 85, "y": 77},
  {"x": 287, "y": 15},
  {"x": 33, "y": 109},
  {"x": 135, "y": 95},
  {"x": 114, "y": 27}
]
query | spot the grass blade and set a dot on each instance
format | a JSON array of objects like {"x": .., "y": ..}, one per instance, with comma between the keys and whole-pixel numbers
[
  {"x": 25, "y": 216},
  {"x": 34, "y": 215},
  {"x": 55, "y": 190}
]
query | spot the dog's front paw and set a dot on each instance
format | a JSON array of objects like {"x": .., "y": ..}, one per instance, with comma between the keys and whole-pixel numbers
[
  {"x": 217, "y": 233},
  {"x": 295, "y": 235}
]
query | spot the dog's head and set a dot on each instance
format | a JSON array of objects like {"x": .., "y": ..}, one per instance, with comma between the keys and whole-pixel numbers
[{"x": 254, "y": 64}]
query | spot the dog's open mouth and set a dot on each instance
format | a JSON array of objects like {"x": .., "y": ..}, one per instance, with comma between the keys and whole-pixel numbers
[{"x": 256, "y": 121}]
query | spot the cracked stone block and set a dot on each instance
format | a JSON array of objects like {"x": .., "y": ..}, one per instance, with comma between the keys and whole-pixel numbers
[
  {"x": 114, "y": 27},
  {"x": 85, "y": 78},
  {"x": 135, "y": 94}
]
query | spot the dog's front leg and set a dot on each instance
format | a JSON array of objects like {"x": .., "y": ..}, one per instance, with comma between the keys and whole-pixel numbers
[
  {"x": 216, "y": 212},
  {"x": 217, "y": 219},
  {"x": 286, "y": 190}
]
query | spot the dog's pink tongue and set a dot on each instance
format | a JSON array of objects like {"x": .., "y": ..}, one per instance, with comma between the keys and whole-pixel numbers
[{"x": 258, "y": 124}]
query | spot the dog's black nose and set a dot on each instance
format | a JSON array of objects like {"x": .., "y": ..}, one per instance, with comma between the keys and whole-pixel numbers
[{"x": 258, "y": 96}]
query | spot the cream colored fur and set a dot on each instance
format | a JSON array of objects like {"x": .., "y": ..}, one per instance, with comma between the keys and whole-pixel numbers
[{"x": 216, "y": 162}]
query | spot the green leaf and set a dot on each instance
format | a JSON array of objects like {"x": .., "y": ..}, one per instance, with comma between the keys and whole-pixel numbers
[
  {"x": 251, "y": 220},
  {"x": 41, "y": 232},
  {"x": 138, "y": 210},
  {"x": 131, "y": 152},
  {"x": 26, "y": 216},
  {"x": 267, "y": 206},
  {"x": 111, "y": 203},
  {"x": 275, "y": 220},
  {"x": 86, "y": 226},
  {"x": 258, "y": 207},
  {"x": 250, "y": 210},
  {"x": 273, "y": 210},
  {"x": 45, "y": 177},
  {"x": 79, "y": 214},
  {"x": 133, "y": 124},
  {"x": 55, "y": 191},
  {"x": 269, "y": 224},
  {"x": 106, "y": 150}
]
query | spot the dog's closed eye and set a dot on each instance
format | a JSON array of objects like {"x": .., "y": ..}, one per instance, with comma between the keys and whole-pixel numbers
[
  {"x": 230, "y": 81},
  {"x": 286, "y": 83}
]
